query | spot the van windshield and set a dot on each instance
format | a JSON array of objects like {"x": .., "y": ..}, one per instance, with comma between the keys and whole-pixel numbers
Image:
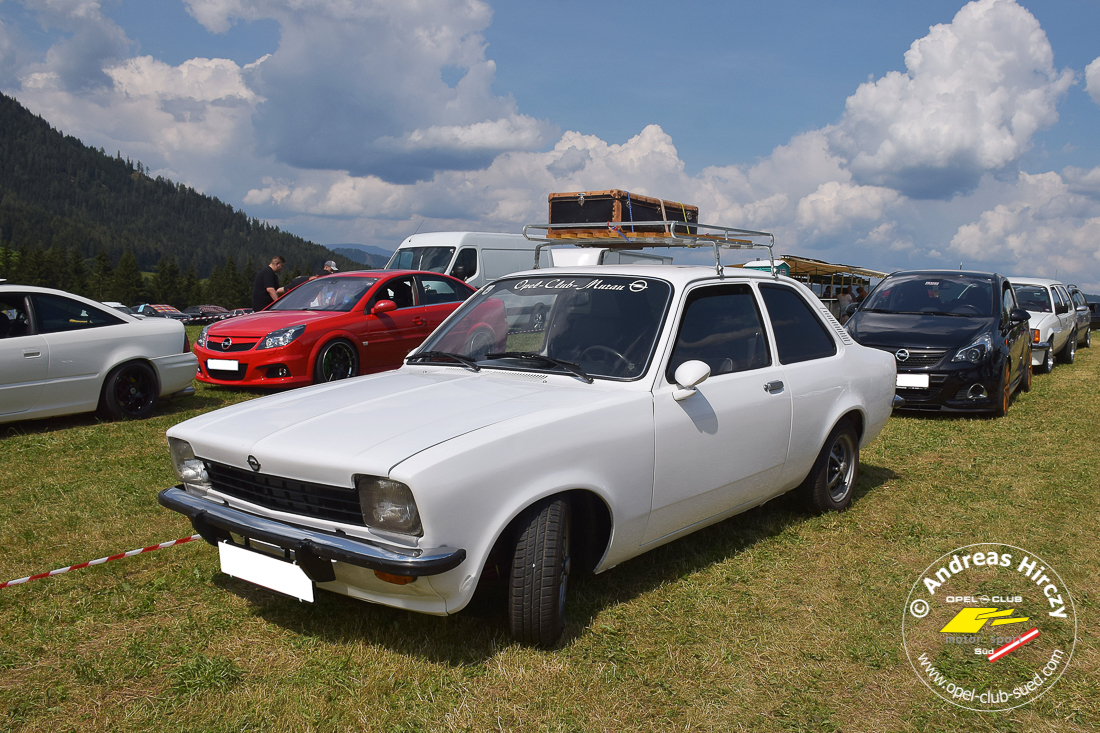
[{"x": 433, "y": 259}]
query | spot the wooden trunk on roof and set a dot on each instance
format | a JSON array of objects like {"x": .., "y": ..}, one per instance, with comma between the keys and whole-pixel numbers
[{"x": 591, "y": 211}]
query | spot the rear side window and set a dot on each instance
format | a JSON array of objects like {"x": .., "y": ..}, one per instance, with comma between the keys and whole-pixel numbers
[
  {"x": 436, "y": 290},
  {"x": 55, "y": 314},
  {"x": 799, "y": 335}
]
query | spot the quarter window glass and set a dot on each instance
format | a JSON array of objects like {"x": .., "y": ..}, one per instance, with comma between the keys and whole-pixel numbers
[
  {"x": 799, "y": 335},
  {"x": 56, "y": 314},
  {"x": 722, "y": 327},
  {"x": 435, "y": 290}
]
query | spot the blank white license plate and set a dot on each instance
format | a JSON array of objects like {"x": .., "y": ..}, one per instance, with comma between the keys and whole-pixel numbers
[
  {"x": 224, "y": 364},
  {"x": 918, "y": 381},
  {"x": 263, "y": 570}
]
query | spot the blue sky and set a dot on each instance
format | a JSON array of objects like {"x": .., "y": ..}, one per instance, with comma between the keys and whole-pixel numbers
[{"x": 886, "y": 134}]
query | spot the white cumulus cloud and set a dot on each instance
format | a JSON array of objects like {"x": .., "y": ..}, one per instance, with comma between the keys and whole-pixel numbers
[
  {"x": 975, "y": 92},
  {"x": 1092, "y": 80}
]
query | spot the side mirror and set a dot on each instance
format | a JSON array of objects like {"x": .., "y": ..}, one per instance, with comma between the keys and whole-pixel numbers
[
  {"x": 1019, "y": 315},
  {"x": 383, "y": 306},
  {"x": 689, "y": 375},
  {"x": 852, "y": 308}
]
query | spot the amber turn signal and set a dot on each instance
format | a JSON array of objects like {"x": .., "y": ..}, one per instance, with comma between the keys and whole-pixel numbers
[{"x": 395, "y": 579}]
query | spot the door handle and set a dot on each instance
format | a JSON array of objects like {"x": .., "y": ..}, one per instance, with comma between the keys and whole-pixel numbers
[
  {"x": 773, "y": 387},
  {"x": 419, "y": 321},
  {"x": 31, "y": 353}
]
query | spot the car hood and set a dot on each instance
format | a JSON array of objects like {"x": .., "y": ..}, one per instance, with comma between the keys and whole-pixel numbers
[
  {"x": 327, "y": 433},
  {"x": 897, "y": 330},
  {"x": 258, "y": 325},
  {"x": 1040, "y": 319}
]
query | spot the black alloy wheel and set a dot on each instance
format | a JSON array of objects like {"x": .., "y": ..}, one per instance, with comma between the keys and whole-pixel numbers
[
  {"x": 129, "y": 392},
  {"x": 832, "y": 480},
  {"x": 337, "y": 360}
]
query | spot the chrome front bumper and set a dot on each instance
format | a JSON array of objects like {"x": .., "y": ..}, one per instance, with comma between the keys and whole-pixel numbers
[{"x": 313, "y": 549}]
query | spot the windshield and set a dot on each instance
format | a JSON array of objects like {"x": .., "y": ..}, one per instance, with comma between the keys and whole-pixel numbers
[
  {"x": 937, "y": 295},
  {"x": 1033, "y": 298},
  {"x": 325, "y": 294},
  {"x": 433, "y": 259},
  {"x": 603, "y": 326}
]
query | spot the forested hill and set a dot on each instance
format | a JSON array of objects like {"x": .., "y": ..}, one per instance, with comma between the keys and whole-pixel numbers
[{"x": 62, "y": 201}]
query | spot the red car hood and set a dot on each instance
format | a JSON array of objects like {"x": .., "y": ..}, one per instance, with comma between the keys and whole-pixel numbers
[{"x": 259, "y": 325}]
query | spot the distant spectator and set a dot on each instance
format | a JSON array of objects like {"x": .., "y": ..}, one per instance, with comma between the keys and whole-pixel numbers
[
  {"x": 861, "y": 294},
  {"x": 828, "y": 292},
  {"x": 844, "y": 299},
  {"x": 328, "y": 268},
  {"x": 266, "y": 290}
]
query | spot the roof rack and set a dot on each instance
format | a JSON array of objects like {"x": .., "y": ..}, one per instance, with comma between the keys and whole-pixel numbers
[{"x": 674, "y": 234}]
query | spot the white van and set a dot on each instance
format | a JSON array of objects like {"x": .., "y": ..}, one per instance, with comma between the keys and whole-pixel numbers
[{"x": 479, "y": 257}]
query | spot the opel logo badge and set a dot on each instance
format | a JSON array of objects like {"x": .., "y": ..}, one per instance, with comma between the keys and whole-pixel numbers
[
  {"x": 254, "y": 463},
  {"x": 902, "y": 354},
  {"x": 638, "y": 286},
  {"x": 226, "y": 343}
]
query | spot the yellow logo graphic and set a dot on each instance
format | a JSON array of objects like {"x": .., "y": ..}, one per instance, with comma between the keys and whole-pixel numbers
[{"x": 971, "y": 620}]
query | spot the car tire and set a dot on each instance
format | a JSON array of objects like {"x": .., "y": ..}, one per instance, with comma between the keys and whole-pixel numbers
[
  {"x": 1048, "y": 361},
  {"x": 129, "y": 392},
  {"x": 832, "y": 480},
  {"x": 337, "y": 360},
  {"x": 539, "y": 578},
  {"x": 1088, "y": 338},
  {"x": 1069, "y": 351},
  {"x": 480, "y": 343},
  {"x": 1004, "y": 392}
]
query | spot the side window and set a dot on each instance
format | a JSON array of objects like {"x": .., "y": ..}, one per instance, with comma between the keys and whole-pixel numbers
[
  {"x": 55, "y": 314},
  {"x": 465, "y": 265},
  {"x": 721, "y": 326},
  {"x": 1078, "y": 298},
  {"x": 399, "y": 290},
  {"x": 14, "y": 321},
  {"x": 799, "y": 335},
  {"x": 1008, "y": 302},
  {"x": 435, "y": 290}
]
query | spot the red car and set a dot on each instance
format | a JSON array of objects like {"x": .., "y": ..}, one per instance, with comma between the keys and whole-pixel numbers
[{"x": 330, "y": 328}]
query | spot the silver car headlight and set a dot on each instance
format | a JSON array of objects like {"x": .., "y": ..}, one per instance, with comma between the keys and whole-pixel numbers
[
  {"x": 976, "y": 352},
  {"x": 282, "y": 337},
  {"x": 191, "y": 470},
  {"x": 388, "y": 505},
  {"x": 201, "y": 340}
]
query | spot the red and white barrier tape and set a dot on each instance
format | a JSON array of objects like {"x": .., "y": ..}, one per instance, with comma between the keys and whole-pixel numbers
[{"x": 101, "y": 560}]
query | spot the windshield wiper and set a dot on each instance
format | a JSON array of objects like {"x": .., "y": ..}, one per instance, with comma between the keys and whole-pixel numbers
[
  {"x": 535, "y": 356},
  {"x": 446, "y": 355}
]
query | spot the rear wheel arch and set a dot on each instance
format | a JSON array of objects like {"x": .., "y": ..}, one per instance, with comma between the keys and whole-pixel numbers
[{"x": 113, "y": 410}]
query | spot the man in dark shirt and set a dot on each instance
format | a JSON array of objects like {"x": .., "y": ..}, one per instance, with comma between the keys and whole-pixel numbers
[{"x": 266, "y": 290}]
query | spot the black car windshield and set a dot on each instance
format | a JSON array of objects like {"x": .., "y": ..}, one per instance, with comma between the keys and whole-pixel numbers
[
  {"x": 325, "y": 294},
  {"x": 933, "y": 294},
  {"x": 582, "y": 325},
  {"x": 433, "y": 259},
  {"x": 1033, "y": 298}
]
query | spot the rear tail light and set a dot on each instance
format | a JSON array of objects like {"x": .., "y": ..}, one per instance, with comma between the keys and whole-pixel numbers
[{"x": 186, "y": 344}]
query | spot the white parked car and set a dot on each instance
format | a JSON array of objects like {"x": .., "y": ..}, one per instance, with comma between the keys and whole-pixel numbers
[
  {"x": 1053, "y": 320},
  {"x": 62, "y": 354},
  {"x": 649, "y": 402}
]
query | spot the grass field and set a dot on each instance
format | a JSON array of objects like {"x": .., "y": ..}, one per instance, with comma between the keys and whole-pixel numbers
[{"x": 770, "y": 621}]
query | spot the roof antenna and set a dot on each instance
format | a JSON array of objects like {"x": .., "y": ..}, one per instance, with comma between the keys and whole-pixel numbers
[{"x": 422, "y": 224}]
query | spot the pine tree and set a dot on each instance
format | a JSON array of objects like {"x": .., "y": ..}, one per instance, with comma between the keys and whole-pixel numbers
[
  {"x": 127, "y": 285},
  {"x": 102, "y": 278},
  {"x": 166, "y": 285},
  {"x": 6, "y": 257},
  {"x": 78, "y": 273},
  {"x": 192, "y": 288}
]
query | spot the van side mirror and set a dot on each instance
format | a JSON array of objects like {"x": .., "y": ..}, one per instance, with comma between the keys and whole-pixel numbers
[
  {"x": 383, "y": 306},
  {"x": 689, "y": 375},
  {"x": 1018, "y": 315}
]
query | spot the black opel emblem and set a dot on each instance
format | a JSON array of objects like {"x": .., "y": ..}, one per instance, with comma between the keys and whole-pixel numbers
[
  {"x": 226, "y": 343},
  {"x": 254, "y": 463},
  {"x": 902, "y": 354}
]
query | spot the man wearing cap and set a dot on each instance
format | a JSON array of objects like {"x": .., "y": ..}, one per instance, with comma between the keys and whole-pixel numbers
[{"x": 328, "y": 268}]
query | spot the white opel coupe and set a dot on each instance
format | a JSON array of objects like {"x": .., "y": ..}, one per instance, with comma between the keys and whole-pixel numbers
[
  {"x": 62, "y": 354},
  {"x": 647, "y": 402}
]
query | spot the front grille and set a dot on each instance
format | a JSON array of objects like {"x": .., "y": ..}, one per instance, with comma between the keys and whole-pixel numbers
[
  {"x": 227, "y": 375},
  {"x": 235, "y": 346},
  {"x": 917, "y": 357},
  {"x": 332, "y": 503}
]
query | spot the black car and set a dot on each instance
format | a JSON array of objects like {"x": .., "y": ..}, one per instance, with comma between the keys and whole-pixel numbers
[{"x": 960, "y": 340}]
